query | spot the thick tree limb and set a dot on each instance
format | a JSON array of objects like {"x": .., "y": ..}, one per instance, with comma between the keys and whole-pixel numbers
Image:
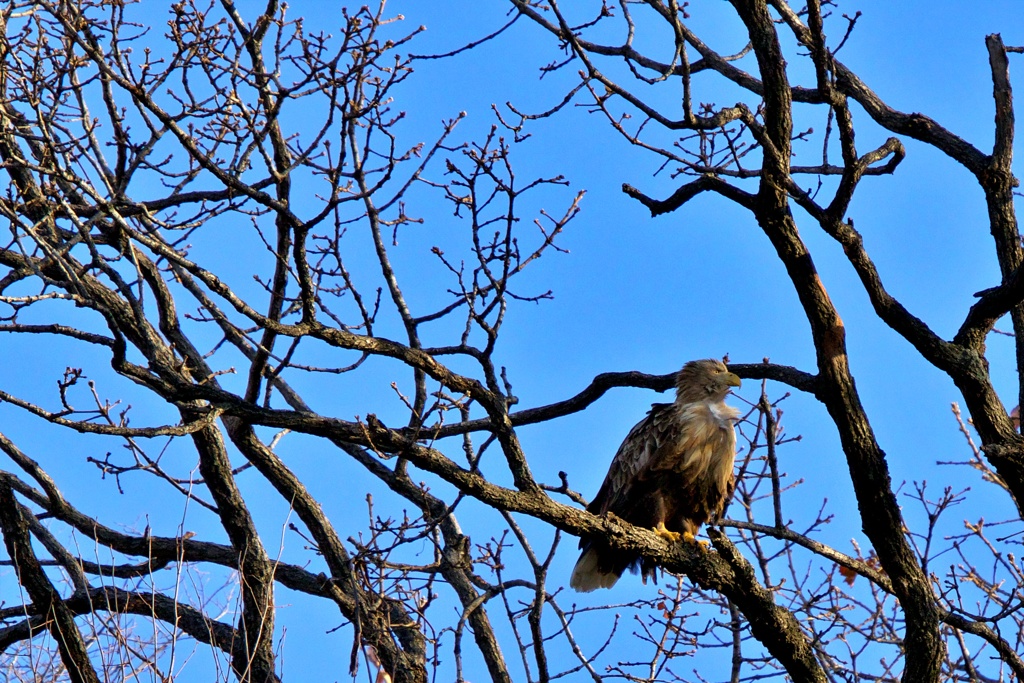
[
  {"x": 56, "y": 615},
  {"x": 255, "y": 661},
  {"x": 116, "y": 600},
  {"x": 880, "y": 513}
]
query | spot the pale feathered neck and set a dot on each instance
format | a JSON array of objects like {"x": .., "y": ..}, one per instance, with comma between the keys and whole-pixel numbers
[{"x": 694, "y": 392}]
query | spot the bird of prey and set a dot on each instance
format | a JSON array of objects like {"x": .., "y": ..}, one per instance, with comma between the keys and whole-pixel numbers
[{"x": 673, "y": 472}]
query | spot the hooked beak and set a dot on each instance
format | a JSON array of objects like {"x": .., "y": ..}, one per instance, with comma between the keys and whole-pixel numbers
[{"x": 732, "y": 380}]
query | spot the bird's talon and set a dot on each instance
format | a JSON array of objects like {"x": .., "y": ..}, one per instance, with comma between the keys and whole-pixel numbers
[
  {"x": 670, "y": 536},
  {"x": 692, "y": 540}
]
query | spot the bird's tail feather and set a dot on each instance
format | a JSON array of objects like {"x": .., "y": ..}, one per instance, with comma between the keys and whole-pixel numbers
[{"x": 588, "y": 575}]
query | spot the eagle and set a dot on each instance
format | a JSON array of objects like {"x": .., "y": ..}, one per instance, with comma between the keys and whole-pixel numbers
[{"x": 673, "y": 473}]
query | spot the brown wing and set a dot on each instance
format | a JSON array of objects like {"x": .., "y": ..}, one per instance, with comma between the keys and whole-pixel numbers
[
  {"x": 639, "y": 452},
  {"x": 688, "y": 443}
]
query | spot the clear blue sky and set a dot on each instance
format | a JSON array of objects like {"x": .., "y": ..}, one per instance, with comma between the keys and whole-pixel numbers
[{"x": 636, "y": 293}]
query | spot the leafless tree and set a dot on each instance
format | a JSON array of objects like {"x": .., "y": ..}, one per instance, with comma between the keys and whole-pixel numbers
[{"x": 204, "y": 224}]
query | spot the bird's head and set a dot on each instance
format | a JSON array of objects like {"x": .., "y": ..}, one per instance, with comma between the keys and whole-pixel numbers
[{"x": 704, "y": 380}]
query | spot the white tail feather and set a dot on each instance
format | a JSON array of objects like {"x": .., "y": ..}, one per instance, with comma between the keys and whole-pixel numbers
[{"x": 587, "y": 575}]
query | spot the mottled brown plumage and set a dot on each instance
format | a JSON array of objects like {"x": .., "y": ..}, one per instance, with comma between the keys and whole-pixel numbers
[{"x": 673, "y": 472}]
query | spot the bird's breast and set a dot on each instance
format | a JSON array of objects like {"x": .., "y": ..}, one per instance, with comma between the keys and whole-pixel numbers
[
  {"x": 705, "y": 442},
  {"x": 725, "y": 415}
]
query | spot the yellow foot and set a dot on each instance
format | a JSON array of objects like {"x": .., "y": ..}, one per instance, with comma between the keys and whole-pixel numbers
[
  {"x": 699, "y": 542},
  {"x": 671, "y": 536}
]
